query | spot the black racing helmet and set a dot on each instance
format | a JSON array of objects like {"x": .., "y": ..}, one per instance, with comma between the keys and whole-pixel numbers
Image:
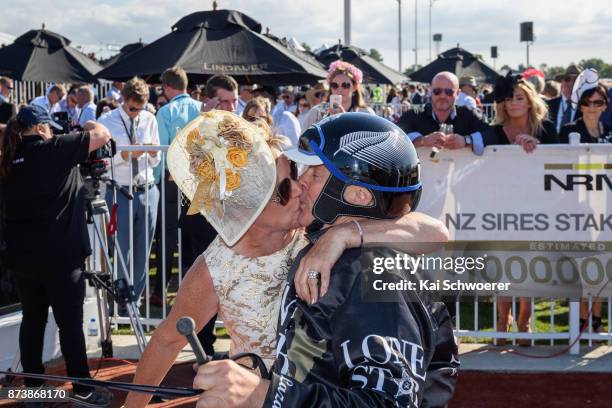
[{"x": 364, "y": 150}]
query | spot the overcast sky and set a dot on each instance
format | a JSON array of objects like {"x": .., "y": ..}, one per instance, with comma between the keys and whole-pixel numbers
[{"x": 566, "y": 30}]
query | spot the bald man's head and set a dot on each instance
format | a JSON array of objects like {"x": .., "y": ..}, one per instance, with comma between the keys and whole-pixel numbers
[
  {"x": 444, "y": 91},
  {"x": 442, "y": 80},
  {"x": 84, "y": 95}
]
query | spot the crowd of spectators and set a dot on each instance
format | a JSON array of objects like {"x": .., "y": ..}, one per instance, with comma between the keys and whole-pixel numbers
[{"x": 450, "y": 113}]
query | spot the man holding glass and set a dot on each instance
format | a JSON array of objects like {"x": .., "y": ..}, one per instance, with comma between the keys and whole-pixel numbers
[{"x": 442, "y": 124}]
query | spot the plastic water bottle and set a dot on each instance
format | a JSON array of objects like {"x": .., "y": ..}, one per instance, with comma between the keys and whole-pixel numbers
[{"x": 92, "y": 328}]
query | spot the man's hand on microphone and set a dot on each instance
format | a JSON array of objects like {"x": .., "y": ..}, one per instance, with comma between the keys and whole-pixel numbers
[{"x": 226, "y": 385}]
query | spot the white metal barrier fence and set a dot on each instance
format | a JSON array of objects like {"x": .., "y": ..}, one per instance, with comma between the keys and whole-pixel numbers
[
  {"x": 24, "y": 91},
  {"x": 152, "y": 317}
]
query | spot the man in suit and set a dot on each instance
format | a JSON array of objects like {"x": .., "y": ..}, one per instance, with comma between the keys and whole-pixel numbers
[
  {"x": 7, "y": 108},
  {"x": 415, "y": 97},
  {"x": 560, "y": 109}
]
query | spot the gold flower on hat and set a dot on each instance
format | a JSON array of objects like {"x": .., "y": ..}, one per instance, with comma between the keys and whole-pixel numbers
[
  {"x": 232, "y": 180},
  {"x": 206, "y": 171},
  {"x": 192, "y": 138},
  {"x": 228, "y": 123},
  {"x": 237, "y": 157}
]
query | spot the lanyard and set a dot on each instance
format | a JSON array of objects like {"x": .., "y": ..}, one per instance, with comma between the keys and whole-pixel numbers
[{"x": 126, "y": 128}]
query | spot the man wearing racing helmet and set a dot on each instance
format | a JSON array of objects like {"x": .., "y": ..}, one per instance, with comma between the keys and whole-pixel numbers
[{"x": 348, "y": 349}]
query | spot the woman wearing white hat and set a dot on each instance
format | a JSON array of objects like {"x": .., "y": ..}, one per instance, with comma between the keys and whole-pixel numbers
[
  {"x": 592, "y": 100},
  {"x": 223, "y": 164}
]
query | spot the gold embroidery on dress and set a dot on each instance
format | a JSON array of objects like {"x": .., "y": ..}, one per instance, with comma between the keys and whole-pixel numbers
[{"x": 249, "y": 291}]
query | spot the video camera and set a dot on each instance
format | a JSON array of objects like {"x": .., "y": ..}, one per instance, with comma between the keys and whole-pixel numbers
[
  {"x": 95, "y": 167},
  {"x": 61, "y": 118}
]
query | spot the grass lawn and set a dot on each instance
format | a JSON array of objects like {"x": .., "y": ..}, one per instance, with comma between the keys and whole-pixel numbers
[{"x": 542, "y": 313}]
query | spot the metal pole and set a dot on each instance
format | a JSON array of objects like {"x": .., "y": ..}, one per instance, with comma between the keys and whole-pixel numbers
[
  {"x": 430, "y": 39},
  {"x": 347, "y": 22},
  {"x": 416, "y": 30},
  {"x": 527, "y": 54},
  {"x": 399, "y": 33}
]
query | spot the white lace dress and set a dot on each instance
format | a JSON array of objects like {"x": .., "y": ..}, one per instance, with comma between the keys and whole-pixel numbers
[{"x": 249, "y": 291}]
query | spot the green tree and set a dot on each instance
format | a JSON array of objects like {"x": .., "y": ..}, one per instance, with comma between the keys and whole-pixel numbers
[
  {"x": 411, "y": 69},
  {"x": 552, "y": 72},
  {"x": 595, "y": 63},
  {"x": 307, "y": 47},
  {"x": 376, "y": 55}
]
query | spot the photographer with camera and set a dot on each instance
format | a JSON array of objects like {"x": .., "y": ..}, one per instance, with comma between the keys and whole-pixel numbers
[{"x": 46, "y": 238}]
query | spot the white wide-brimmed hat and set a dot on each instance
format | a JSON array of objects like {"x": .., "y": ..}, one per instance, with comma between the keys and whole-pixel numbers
[{"x": 223, "y": 165}]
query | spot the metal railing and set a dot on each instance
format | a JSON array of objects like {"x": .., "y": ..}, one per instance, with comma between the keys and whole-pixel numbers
[
  {"x": 476, "y": 331},
  {"x": 24, "y": 91}
]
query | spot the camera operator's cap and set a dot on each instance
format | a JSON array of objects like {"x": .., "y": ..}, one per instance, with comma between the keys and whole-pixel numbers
[
  {"x": 223, "y": 165},
  {"x": 31, "y": 115}
]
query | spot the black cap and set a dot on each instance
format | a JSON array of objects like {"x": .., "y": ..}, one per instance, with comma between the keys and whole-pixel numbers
[{"x": 31, "y": 115}]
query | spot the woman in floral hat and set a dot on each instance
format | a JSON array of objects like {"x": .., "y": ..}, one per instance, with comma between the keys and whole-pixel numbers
[
  {"x": 233, "y": 174},
  {"x": 344, "y": 79}
]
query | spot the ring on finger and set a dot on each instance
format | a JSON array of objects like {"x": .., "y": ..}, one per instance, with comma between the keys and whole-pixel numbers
[{"x": 312, "y": 274}]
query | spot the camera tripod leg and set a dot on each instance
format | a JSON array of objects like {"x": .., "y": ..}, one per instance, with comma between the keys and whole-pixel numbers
[
  {"x": 7, "y": 380},
  {"x": 128, "y": 300}
]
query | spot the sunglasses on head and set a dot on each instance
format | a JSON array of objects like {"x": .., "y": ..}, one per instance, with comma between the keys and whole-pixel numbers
[
  {"x": 345, "y": 85},
  {"x": 447, "y": 91},
  {"x": 282, "y": 195},
  {"x": 598, "y": 103}
]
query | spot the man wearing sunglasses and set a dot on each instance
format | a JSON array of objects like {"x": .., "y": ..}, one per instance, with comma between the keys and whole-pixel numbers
[
  {"x": 561, "y": 111},
  {"x": 7, "y": 108},
  {"x": 132, "y": 125},
  {"x": 423, "y": 127},
  {"x": 286, "y": 103}
]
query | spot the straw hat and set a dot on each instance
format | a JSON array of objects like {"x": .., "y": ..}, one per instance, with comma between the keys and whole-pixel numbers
[{"x": 223, "y": 165}]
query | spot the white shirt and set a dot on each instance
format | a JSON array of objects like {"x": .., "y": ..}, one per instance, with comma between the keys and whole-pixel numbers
[
  {"x": 44, "y": 102},
  {"x": 119, "y": 123},
  {"x": 465, "y": 100},
  {"x": 288, "y": 126},
  {"x": 279, "y": 108}
]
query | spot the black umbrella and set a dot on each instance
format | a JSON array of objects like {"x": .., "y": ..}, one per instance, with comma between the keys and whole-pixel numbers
[
  {"x": 123, "y": 52},
  {"x": 461, "y": 63},
  {"x": 213, "y": 42},
  {"x": 374, "y": 72},
  {"x": 41, "y": 55}
]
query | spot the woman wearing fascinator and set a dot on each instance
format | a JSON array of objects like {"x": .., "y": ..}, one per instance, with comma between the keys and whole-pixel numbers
[
  {"x": 344, "y": 81},
  {"x": 233, "y": 174},
  {"x": 520, "y": 115},
  {"x": 592, "y": 100}
]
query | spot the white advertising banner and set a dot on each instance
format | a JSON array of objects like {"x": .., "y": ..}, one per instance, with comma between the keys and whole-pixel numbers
[
  {"x": 542, "y": 221},
  {"x": 556, "y": 193}
]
